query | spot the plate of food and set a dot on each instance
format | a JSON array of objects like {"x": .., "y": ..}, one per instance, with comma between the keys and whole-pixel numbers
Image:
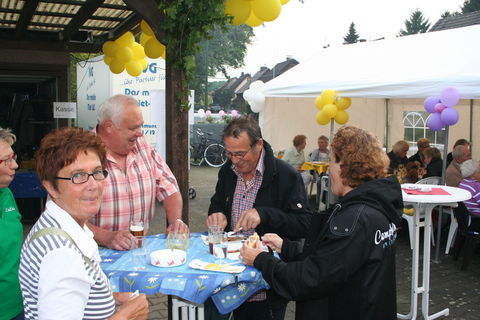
[{"x": 216, "y": 267}]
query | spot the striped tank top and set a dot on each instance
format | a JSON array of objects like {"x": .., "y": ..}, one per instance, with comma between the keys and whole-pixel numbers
[{"x": 100, "y": 304}]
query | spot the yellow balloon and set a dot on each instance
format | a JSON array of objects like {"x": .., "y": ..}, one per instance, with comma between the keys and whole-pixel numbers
[
  {"x": 319, "y": 103},
  {"x": 138, "y": 51},
  {"x": 146, "y": 28},
  {"x": 330, "y": 110},
  {"x": 144, "y": 63},
  {"x": 253, "y": 21},
  {"x": 327, "y": 96},
  {"x": 144, "y": 38},
  {"x": 154, "y": 49},
  {"x": 164, "y": 55},
  {"x": 107, "y": 59},
  {"x": 109, "y": 48},
  {"x": 238, "y": 9},
  {"x": 284, "y": 2},
  {"x": 125, "y": 40},
  {"x": 124, "y": 54},
  {"x": 134, "y": 68},
  {"x": 341, "y": 117},
  {"x": 266, "y": 10},
  {"x": 343, "y": 103},
  {"x": 117, "y": 66},
  {"x": 322, "y": 118}
]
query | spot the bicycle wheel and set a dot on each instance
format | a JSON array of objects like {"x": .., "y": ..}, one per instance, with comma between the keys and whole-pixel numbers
[
  {"x": 196, "y": 158},
  {"x": 215, "y": 155}
]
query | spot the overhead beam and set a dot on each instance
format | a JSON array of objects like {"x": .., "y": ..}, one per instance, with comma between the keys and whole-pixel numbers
[
  {"x": 85, "y": 12},
  {"x": 27, "y": 13},
  {"x": 52, "y": 46},
  {"x": 127, "y": 25}
]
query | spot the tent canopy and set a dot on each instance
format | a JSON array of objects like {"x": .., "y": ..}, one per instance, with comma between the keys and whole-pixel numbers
[{"x": 415, "y": 66}]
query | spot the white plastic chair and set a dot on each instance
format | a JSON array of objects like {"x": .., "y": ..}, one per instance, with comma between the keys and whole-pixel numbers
[{"x": 410, "y": 218}]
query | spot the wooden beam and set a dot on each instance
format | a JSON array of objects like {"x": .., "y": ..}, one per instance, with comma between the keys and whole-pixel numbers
[
  {"x": 25, "y": 17},
  {"x": 127, "y": 25},
  {"x": 148, "y": 11},
  {"x": 52, "y": 46},
  {"x": 85, "y": 12}
]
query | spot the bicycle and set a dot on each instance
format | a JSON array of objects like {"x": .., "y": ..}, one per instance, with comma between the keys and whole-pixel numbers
[{"x": 213, "y": 154}]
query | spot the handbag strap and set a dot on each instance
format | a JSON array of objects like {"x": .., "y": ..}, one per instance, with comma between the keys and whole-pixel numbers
[{"x": 59, "y": 232}]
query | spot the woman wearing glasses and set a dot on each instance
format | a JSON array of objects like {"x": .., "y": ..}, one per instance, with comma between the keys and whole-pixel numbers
[
  {"x": 10, "y": 233},
  {"x": 60, "y": 275}
]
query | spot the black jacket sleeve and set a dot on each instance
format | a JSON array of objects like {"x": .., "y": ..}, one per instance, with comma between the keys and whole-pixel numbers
[{"x": 321, "y": 273}]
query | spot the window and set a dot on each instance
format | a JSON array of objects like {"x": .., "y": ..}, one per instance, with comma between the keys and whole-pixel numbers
[{"x": 415, "y": 127}]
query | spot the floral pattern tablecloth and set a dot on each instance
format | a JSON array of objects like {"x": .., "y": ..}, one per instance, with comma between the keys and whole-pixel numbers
[{"x": 228, "y": 291}]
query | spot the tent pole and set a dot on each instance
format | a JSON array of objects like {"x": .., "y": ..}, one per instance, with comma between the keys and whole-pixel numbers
[
  {"x": 442, "y": 182},
  {"x": 329, "y": 193},
  {"x": 385, "y": 139}
]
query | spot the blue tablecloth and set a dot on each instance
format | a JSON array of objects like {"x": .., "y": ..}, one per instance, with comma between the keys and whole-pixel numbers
[{"x": 228, "y": 291}]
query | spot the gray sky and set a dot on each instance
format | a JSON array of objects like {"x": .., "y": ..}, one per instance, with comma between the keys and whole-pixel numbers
[{"x": 303, "y": 29}]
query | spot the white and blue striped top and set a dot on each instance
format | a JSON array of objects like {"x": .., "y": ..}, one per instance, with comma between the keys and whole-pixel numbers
[{"x": 57, "y": 282}]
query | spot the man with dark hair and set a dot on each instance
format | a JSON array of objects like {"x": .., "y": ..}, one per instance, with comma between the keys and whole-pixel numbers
[{"x": 258, "y": 193}]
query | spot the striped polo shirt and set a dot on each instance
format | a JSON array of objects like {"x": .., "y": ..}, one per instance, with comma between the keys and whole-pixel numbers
[
  {"x": 56, "y": 281},
  {"x": 473, "y": 204}
]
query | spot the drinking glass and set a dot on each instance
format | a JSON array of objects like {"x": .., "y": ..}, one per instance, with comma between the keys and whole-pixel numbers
[
  {"x": 213, "y": 236},
  {"x": 139, "y": 253},
  {"x": 179, "y": 241},
  {"x": 221, "y": 247},
  {"x": 136, "y": 227}
]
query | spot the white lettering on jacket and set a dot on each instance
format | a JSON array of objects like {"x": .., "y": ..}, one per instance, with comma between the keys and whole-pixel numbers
[{"x": 390, "y": 235}]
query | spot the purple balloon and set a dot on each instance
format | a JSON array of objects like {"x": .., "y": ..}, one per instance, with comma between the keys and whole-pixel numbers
[
  {"x": 430, "y": 103},
  {"x": 434, "y": 122},
  {"x": 449, "y": 97},
  {"x": 449, "y": 116},
  {"x": 439, "y": 107}
]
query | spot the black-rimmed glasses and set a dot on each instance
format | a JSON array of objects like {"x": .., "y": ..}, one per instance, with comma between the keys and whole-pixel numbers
[
  {"x": 240, "y": 154},
  {"x": 82, "y": 177}
]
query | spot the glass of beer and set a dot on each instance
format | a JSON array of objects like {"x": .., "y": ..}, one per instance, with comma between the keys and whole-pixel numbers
[
  {"x": 136, "y": 228},
  {"x": 213, "y": 236}
]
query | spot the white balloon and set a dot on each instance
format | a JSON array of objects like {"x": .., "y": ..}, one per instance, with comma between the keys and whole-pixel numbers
[
  {"x": 257, "y": 85},
  {"x": 254, "y": 107},
  {"x": 259, "y": 99},
  {"x": 201, "y": 113},
  {"x": 247, "y": 95}
]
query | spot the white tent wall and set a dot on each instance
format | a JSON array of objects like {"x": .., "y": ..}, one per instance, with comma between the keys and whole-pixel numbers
[{"x": 283, "y": 118}]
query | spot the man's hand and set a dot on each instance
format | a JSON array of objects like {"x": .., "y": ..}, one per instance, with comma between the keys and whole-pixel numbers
[
  {"x": 217, "y": 219},
  {"x": 249, "y": 254},
  {"x": 273, "y": 241},
  {"x": 119, "y": 240},
  {"x": 249, "y": 219},
  {"x": 178, "y": 226}
]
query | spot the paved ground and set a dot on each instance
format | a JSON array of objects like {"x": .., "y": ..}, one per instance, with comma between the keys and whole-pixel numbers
[{"x": 449, "y": 287}]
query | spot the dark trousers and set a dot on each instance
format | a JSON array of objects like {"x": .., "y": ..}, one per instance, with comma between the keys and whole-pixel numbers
[{"x": 19, "y": 317}]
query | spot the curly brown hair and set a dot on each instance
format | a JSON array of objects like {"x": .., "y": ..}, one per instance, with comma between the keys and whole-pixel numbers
[
  {"x": 61, "y": 147},
  {"x": 299, "y": 139},
  {"x": 361, "y": 155}
]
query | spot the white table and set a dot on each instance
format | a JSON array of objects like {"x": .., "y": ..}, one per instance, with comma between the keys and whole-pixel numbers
[{"x": 428, "y": 202}]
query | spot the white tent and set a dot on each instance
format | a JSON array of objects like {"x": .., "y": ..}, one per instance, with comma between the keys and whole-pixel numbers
[
  {"x": 386, "y": 79},
  {"x": 415, "y": 66}
]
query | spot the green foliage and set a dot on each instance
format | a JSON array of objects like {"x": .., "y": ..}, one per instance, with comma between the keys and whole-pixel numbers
[
  {"x": 225, "y": 47},
  {"x": 223, "y": 97},
  {"x": 186, "y": 24},
  {"x": 352, "y": 36},
  {"x": 416, "y": 24},
  {"x": 470, "y": 6}
]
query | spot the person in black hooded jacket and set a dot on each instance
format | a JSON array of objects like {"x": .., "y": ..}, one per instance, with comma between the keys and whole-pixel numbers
[{"x": 345, "y": 269}]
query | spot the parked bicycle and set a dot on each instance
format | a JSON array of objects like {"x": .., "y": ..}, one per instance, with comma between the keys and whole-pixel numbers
[{"x": 212, "y": 153}]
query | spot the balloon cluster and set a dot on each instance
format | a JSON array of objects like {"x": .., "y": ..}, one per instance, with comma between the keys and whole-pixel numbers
[
  {"x": 202, "y": 113},
  {"x": 331, "y": 107},
  {"x": 125, "y": 53},
  {"x": 254, "y": 96},
  {"x": 253, "y": 12},
  {"x": 441, "y": 109},
  {"x": 153, "y": 48}
]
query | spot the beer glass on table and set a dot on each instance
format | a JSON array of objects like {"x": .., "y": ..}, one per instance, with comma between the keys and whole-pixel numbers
[{"x": 136, "y": 228}]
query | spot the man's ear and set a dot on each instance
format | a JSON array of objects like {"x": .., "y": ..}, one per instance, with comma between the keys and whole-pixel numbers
[
  {"x": 50, "y": 189},
  {"x": 260, "y": 143}
]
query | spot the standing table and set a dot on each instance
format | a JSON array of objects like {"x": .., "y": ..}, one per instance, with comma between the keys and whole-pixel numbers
[{"x": 426, "y": 201}]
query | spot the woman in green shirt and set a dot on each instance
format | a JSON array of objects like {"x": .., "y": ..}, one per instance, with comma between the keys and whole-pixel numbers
[{"x": 11, "y": 233}]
